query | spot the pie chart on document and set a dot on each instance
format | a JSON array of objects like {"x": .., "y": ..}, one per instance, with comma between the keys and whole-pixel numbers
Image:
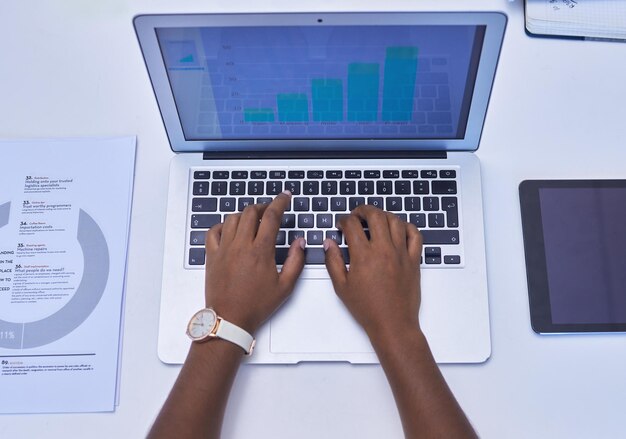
[{"x": 65, "y": 287}]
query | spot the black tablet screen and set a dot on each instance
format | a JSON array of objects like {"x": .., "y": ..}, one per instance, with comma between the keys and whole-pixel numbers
[{"x": 584, "y": 232}]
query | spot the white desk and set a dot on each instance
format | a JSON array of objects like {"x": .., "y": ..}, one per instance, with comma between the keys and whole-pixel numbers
[{"x": 557, "y": 111}]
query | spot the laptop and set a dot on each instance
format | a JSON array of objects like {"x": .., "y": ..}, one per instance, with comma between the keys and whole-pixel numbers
[{"x": 342, "y": 109}]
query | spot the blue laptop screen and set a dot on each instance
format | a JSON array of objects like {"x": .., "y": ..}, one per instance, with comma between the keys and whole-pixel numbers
[{"x": 326, "y": 82}]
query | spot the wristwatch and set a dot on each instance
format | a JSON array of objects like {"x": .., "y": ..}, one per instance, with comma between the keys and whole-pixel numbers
[{"x": 206, "y": 325}]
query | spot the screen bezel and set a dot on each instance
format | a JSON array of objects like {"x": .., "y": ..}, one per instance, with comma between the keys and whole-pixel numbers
[
  {"x": 534, "y": 250},
  {"x": 146, "y": 25}
]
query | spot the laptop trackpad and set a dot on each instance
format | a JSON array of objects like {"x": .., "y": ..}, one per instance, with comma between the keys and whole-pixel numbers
[{"x": 314, "y": 320}]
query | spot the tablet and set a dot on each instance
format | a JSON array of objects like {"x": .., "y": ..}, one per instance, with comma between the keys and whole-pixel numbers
[{"x": 575, "y": 248}]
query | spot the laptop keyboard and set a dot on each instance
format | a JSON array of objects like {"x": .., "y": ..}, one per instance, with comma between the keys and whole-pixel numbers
[{"x": 425, "y": 197}]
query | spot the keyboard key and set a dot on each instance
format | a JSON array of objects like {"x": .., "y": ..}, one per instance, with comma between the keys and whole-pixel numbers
[
  {"x": 288, "y": 221},
  {"x": 401, "y": 217},
  {"x": 402, "y": 187},
  {"x": 412, "y": 204},
  {"x": 391, "y": 174},
  {"x": 227, "y": 204},
  {"x": 435, "y": 220},
  {"x": 383, "y": 187},
  {"x": 420, "y": 187},
  {"x": 324, "y": 220},
  {"x": 293, "y": 187},
  {"x": 255, "y": 188},
  {"x": 432, "y": 252},
  {"x": 418, "y": 220},
  {"x": 204, "y": 205},
  {"x": 244, "y": 202},
  {"x": 218, "y": 187},
  {"x": 347, "y": 188},
  {"x": 197, "y": 237},
  {"x": 274, "y": 187},
  {"x": 305, "y": 221},
  {"x": 329, "y": 188},
  {"x": 296, "y": 174},
  {"x": 281, "y": 237},
  {"x": 281, "y": 255},
  {"x": 433, "y": 259},
  {"x": 237, "y": 188},
  {"x": 220, "y": 175},
  {"x": 375, "y": 201},
  {"x": 429, "y": 174},
  {"x": 311, "y": 188},
  {"x": 450, "y": 206},
  {"x": 205, "y": 221},
  {"x": 394, "y": 204},
  {"x": 239, "y": 175},
  {"x": 314, "y": 237},
  {"x": 444, "y": 187},
  {"x": 200, "y": 187},
  {"x": 314, "y": 174},
  {"x": 293, "y": 235},
  {"x": 202, "y": 175},
  {"x": 354, "y": 202},
  {"x": 258, "y": 175},
  {"x": 337, "y": 204},
  {"x": 301, "y": 204},
  {"x": 317, "y": 256},
  {"x": 353, "y": 174},
  {"x": 320, "y": 204},
  {"x": 410, "y": 174},
  {"x": 334, "y": 174},
  {"x": 372, "y": 174},
  {"x": 431, "y": 203},
  {"x": 448, "y": 173},
  {"x": 452, "y": 259},
  {"x": 263, "y": 200},
  {"x": 335, "y": 235},
  {"x": 278, "y": 175},
  {"x": 196, "y": 256},
  {"x": 436, "y": 237},
  {"x": 366, "y": 187}
]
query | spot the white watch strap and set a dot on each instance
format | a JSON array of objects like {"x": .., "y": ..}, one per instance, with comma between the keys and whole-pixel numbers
[{"x": 235, "y": 334}]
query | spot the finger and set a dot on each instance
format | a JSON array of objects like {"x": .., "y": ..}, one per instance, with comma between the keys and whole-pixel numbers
[
  {"x": 270, "y": 222},
  {"x": 397, "y": 230},
  {"x": 249, "y": 221},
  {"x": 335, "y": 264},
  {"x": 292, "y": 267},
  {"x": 376, "y": 222},
  {"x": 230, "y": 228},
  {"x": 212, "y": 238},
  {"x": 351, "y": 227},
  {"x": 414, "y": 243}
]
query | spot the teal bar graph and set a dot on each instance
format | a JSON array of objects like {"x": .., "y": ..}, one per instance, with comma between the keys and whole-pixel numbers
[
  {"x": 327, "y": 99},
  {"x": 363, "y": 80},
  {"x": 399, "y": 83},
  {"x": 292, "y": 107},
  {"x": 258, "y": 115}
]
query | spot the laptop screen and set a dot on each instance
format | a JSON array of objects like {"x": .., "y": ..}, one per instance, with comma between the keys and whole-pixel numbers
[{"x": 326, "y": 82}]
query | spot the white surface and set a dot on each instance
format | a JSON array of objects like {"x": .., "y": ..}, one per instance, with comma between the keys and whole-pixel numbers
[{"x": 73, "y": 68}]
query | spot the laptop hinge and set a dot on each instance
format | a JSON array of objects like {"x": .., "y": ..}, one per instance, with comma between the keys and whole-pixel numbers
[{"x": 273, "y": 155}]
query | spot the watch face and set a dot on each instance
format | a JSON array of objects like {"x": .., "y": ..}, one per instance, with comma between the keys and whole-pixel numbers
[{"x": 201, "y": 324}]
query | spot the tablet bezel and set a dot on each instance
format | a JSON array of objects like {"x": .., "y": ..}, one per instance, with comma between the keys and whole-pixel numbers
[{"x": 534, "y": 250}]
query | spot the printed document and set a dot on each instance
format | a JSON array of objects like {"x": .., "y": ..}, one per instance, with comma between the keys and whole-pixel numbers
[{"x": 64, "y": 222}]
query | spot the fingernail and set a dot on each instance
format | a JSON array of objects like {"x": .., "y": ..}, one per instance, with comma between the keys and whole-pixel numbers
[
  {"x": 287, "y": 192},
  {"x": 302, "y": 243},
  {"x": 326, "y": 245}
]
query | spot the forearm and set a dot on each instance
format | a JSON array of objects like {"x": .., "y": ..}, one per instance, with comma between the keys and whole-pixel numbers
[
  {"x": 195, "y": 407},
  {"x": 426, "y": 405}
]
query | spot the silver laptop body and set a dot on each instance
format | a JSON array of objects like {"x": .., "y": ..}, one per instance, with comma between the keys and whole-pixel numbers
[{"x": 321, "y": 103}]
